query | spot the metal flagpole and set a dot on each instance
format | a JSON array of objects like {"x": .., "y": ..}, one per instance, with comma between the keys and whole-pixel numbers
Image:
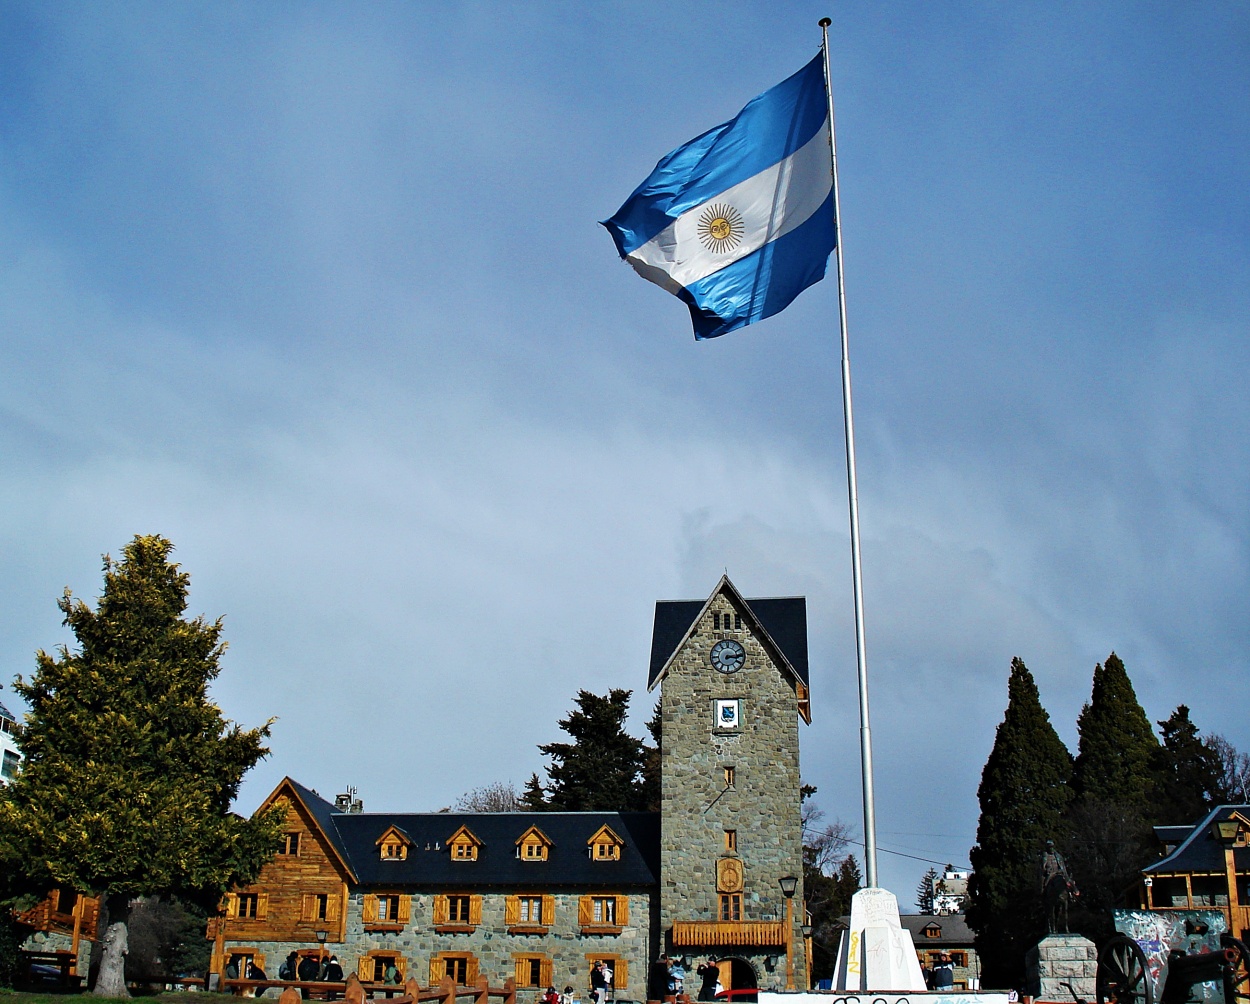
[{"x": 865, "y": 731}]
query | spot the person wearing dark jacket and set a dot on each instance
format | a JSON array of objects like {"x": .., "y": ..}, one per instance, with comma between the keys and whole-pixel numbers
[
  {"x": 334, "y": 972},
  {"x": 308, "y": 969},
  {"x": 710, "y": 975}
]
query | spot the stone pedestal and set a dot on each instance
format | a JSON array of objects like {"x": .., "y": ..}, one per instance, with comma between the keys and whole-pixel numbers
[{"x": 1057, "y": 959}]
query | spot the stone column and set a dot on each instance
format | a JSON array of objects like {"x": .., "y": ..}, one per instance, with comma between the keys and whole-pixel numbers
[{"x": 1057, "y": 959}]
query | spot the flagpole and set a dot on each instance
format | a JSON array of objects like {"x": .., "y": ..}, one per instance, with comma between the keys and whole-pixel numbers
[{"x": 865, "y": 731}]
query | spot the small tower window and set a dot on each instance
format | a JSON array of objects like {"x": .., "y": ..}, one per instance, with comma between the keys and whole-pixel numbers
[
  {"x": 730, "y": 776},
  {"x": 737, "y": 621},
  {"x": 731, "y": 841},
  {"x": 716, "y": 621}
]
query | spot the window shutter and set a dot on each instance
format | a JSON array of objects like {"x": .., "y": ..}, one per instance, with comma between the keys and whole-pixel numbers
[
  {"x": 232, "y": 904},
  {"x": 512, "y": 915},
  {"x": 620, "y": 973},
  {"x": 405, "y": 911},
  {"x": 585, "y": 911},
  {"x": 262, "y": 909},
  {"x": 437, "y": 970},
  {"x": 401, "y": 963},
  {"x": 475, "y": 912},
  {"x": 622, "y": 911},
  {"x": 470, "y": 976},
  {"x": 364, "y": 969},
  {"x": 369, "y": 911},
  {"x": 440, "y": 914},
  {"x": 520, "y": 971},
  {"x": 308, "y": 908},
  {"x": 549, "y": 916},
  {"x": 332, "y": 907},
  {"x": 544, "y": 971}
]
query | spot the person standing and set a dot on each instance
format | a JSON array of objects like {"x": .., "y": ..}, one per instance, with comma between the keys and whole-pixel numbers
[
  {"x": 944, "y": 973},
  {"x": 709, "y": 973},
  {"x": 598, "y": 984}
]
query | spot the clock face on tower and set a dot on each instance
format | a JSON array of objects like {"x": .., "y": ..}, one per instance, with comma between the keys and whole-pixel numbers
[{"x": 728, "y": 656}]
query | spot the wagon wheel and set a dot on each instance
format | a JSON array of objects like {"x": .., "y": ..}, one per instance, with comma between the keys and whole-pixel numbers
[
  {"x": 1122, "y": 977},
  {"x": 1237, "y": 982}
]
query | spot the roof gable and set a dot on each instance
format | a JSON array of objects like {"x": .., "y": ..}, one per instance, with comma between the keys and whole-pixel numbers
[
  {"x": 779, "y": 622},
  {"x": 320, "y": 815},
  {"x": 1200, "y": 852}
]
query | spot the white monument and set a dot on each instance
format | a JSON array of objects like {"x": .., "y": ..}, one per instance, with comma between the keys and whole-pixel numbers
[{"x": 876, "y": 953}]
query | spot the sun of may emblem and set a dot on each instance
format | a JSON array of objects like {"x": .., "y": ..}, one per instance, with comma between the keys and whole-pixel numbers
[{"x": 720, "y": 228}]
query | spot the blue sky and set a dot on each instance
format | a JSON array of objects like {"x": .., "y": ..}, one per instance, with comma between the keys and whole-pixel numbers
[{"x": 317, "y": 291}]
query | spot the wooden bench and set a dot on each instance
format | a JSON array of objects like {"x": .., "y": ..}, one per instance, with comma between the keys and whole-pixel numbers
[{"x": 63, "y": 980}]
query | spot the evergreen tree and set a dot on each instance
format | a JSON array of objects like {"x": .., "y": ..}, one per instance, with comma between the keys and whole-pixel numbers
[
  {"x": 129, "y": 767},
  {"x": 926, "y": 891},
  {"x": 1117, "y": 748},
  {"x": 651, "y": 790},
  {"x": 601, "y": 769},
  {"x": 1109, "y": 826},
  {"x": 534, "y": 798},
  {"x": 1188, "y": 772},
  {"x": 1025, "y": 789},
  {"x": 848, "y": 882}
]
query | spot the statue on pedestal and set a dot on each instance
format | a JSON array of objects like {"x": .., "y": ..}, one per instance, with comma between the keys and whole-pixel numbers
[{"x": 1058, "y": 889}]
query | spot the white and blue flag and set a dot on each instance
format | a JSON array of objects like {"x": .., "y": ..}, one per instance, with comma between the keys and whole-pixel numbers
[{"x": 739, "y": 221}]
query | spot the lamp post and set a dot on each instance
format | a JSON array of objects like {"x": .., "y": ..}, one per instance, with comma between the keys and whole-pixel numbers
[
  {"x": 788, "y": 886},
  {"x": 321, "y": 938},
  {"x": 807, "y": 948}
]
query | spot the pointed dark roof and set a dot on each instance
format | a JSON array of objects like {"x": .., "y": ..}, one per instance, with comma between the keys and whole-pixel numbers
[
  {"x": 5, "y": 713},
  {"x": 784, "y": 618},
  {"x": 1200, "y": 852}
]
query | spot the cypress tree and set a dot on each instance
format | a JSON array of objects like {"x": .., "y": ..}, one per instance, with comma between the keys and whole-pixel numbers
[
  {"x": 1109, "y": 825},
  {"x": 1115, "y": 756},
  {"x": 1025, "y": 789}
]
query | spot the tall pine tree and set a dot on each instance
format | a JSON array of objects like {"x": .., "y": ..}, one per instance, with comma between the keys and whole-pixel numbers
[
  {"x": 1187, "y": 771},
  {"x": 129, "y": 767},
  {"x": 602, "y": 768},
  {"x": 1024, "y": 792},
  {"x": 1109, "y": 825}
]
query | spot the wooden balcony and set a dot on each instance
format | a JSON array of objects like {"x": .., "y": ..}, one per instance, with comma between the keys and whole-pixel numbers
[{"x": 717, "y": 933}]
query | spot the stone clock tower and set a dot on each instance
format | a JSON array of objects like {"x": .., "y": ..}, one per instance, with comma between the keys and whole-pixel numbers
[{"x": 733, "y": 682}]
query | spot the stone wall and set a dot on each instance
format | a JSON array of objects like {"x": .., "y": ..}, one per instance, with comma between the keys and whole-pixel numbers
[
  {"x": 490, "y": 943},
  {"x": 762, "y": 806}
]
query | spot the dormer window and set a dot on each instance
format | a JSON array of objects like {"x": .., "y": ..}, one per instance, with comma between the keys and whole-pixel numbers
[
  {"x": 932, "y": 931},
  {"x": 393, "y": 844},
  {"x": 533, "y": 845},
  {"x": 605, "y": 845},
  {"x": 463, "y": 845}
]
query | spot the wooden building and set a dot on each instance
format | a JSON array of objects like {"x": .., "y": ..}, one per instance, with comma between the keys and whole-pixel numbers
[
  {"x": 65, "y": 923},
  {"x": 1203, "y": 865}
]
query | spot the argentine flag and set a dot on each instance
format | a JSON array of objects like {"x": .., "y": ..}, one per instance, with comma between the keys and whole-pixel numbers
[{"x": 739, "y": 221}]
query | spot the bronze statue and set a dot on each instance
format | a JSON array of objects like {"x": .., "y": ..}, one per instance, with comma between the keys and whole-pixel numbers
[{"x": 1058, "y": 889}]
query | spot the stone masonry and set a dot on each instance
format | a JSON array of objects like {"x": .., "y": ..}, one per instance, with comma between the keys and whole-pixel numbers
[
  {"x": 762, "y": 806},
  {"x": 1058, "y": 959}
]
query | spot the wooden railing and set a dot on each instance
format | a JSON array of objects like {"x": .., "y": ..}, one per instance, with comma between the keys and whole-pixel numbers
[
  {"x": 717, "y": 933},
  {"x": 355, "y": 992}
]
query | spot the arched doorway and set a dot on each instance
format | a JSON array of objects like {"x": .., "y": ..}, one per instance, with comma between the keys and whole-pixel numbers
[{"x": 739, "y": 976}]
